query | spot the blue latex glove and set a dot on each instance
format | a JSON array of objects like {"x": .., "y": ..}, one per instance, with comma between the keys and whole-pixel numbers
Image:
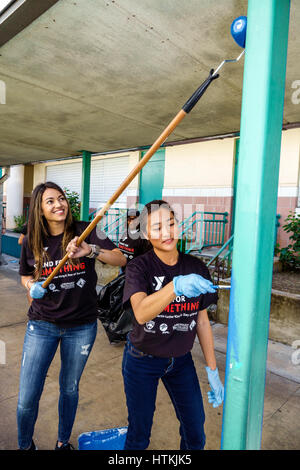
[
  {"x": 216, "y": 394},
  {"x": 37, "y": 291},
  {"x": 192, "y": 285}
]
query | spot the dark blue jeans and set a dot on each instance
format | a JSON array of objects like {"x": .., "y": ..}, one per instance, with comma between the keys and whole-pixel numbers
[
  {"x": 141, "y": 374},
  {"x": 40, "y": 344}
]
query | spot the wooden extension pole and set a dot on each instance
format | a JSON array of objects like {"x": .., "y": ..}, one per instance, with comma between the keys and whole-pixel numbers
[{"x": 159, "y": 141}]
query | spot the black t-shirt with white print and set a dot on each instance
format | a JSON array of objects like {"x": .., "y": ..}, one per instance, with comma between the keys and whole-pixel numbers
[
  {"x": 132, "y": 245},
  {"x": 172, "y": 333},
  {"x": 71, "y": 297}
]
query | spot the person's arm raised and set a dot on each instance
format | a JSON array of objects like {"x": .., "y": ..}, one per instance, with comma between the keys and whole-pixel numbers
[
  {"x": 148, "y": 307},
  {"x": 113, "y": 257}
]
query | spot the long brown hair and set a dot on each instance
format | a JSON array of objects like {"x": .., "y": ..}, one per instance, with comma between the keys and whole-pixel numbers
[{"x": 38, "y": 229}]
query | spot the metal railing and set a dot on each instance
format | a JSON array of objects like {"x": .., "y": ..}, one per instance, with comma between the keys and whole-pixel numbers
[
  {"x": 3, "y": 216},
  {"x": 220, "y": 265},
  {"x": 199, "y": 230},
  {"x": 202, "y": 229},
  {"x": 113, "y": 222}
]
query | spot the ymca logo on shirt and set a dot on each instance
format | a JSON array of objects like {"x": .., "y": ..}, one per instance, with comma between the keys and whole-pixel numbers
[
  {"x": 164, "y": 329},
  {"x": 148, "y": 328},
  {"x": 158, "y": 282}
]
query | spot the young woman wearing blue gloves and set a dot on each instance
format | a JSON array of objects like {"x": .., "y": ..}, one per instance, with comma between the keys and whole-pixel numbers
[
  {"x": 65, "y": 313},
  {"x": 169, "y": 293}
]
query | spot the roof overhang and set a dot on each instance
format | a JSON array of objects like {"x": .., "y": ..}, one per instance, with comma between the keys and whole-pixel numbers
[
  {"x": 19, "y": 14},
  {"x": 110, "y": 75}
]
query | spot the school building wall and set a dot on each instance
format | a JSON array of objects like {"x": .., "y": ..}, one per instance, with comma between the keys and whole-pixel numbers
[
  {"x": 200, "y": 176},
  {"x": 289, "y": 179}
]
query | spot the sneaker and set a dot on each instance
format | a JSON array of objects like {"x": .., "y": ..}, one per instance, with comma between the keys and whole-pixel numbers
[
  {"x": 67, "y": 446},
  {"x": 32, "y": 447}
]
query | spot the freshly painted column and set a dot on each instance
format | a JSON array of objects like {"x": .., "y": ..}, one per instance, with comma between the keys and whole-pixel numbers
[
  {"x": 85, "y": 185},
  {"x": 260, "y": 142}
]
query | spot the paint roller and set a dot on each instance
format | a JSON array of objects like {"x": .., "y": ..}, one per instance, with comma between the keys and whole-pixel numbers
[{"x": 238, "y": 32}]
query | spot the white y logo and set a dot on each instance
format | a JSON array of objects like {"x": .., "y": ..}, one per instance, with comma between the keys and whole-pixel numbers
[{"x": 159, "y": 280}]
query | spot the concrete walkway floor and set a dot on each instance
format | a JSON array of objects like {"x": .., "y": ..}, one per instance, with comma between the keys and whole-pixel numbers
[{"x": 102, "y": 401}]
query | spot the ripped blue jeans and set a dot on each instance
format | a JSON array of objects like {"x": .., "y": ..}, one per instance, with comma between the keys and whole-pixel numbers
[
  {"x": 141, "y": 374},
  {"x": 40, "y": 345}
]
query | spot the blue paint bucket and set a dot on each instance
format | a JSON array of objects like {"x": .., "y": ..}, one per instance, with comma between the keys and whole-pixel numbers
[{"x": 106, "y": 439}]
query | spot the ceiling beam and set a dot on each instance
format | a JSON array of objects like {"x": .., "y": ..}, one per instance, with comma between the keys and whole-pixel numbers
[{"x": 19, "y": 15}]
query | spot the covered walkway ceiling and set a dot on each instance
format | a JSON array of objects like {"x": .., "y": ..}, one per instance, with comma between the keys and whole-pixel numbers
[{"x": 104, "y": 75}]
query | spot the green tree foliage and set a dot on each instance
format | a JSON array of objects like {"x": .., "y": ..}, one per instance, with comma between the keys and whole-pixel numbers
[
  {"x": 20, "y": 220},
  {"x": 290, "y": 255},
  {"x": 73, "y": 198}
]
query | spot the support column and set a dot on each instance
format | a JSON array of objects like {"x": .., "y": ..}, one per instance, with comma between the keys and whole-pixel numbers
[
  {"x": 253, "y": 250},
  {"x": 3, "y": 178},
  {"x": 1, "y": 211},
  {"x": 14, "y": 195},
  {"x": 85, "y": 185}
]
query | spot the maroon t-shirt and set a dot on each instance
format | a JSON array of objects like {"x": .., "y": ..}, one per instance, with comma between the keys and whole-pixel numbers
[
  {"x": 172, "y": 333},
  {"x": 71, "y": 297}
]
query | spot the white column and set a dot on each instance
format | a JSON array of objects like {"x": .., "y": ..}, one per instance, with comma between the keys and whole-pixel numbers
[
  {"x": 298, "y": 201},
  {"x": 14, "y": 195}
]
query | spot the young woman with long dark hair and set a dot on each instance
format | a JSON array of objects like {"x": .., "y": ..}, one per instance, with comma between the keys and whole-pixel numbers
[
  {"x": 169, "y": 293},
  {"x": 65, "y": 313}
]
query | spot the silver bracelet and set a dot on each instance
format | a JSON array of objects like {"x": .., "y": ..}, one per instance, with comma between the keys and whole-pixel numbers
[{"x": 95, "y": 251}]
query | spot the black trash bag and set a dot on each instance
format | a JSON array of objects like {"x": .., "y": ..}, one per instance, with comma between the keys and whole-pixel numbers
[{"x": 116, "y": 320}]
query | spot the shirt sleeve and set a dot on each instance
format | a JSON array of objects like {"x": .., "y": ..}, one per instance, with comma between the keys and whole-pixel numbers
[
  {"x": 135, "y": 280},
  {"x": 143, "y": 246},
  {"x": 24, "y": 229},
  {"x": 25, "y": 269}
]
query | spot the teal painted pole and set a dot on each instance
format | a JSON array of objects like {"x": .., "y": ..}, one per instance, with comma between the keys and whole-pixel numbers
[
  {"x": 85, "y": 186},
  {"x": 253, "y": 250}
]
